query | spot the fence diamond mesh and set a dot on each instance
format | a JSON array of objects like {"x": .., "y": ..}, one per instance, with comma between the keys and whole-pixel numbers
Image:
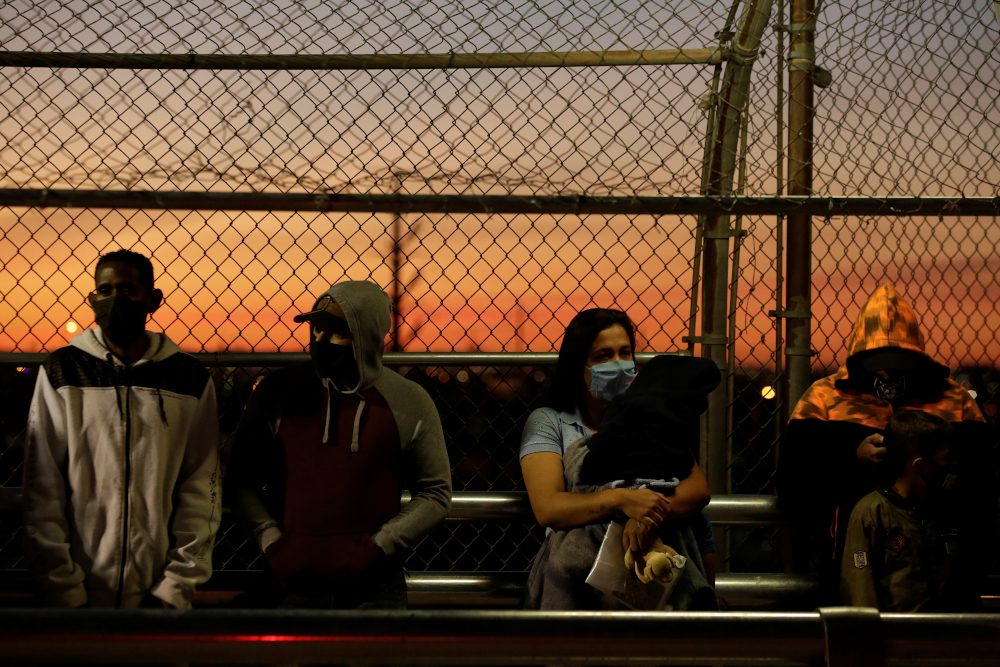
[{"x": 911, "y": 108}]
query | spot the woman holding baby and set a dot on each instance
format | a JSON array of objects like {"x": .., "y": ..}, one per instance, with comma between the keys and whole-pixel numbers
[{"x": 570, "y": 447}]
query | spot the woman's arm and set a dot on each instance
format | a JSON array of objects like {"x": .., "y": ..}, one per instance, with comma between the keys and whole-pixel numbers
[
  {"x": 690, "y": 497},
  {"x": 554, "y": 507}
]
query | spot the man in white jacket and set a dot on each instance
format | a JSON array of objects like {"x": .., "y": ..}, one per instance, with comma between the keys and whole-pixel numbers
[{"x": 121, "y": 480}]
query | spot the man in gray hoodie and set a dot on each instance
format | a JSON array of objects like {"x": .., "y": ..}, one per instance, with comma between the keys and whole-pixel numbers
[
  {"x": 121, "y": 487},
  {"x": 323, "y": 452}
]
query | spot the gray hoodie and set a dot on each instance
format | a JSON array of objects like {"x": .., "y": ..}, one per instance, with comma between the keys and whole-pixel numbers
[{"x": 326, "y": 467}]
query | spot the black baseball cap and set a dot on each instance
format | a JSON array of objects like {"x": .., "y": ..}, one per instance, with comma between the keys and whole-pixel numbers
[{"x": 323, "y": 319}]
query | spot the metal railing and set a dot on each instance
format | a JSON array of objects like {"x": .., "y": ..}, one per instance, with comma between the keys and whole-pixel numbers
[
  {"x": 369, "y": 61},
  {"x": 514, "y": 507},
  {"x": 717, "y": 205},
  {"x": 839, "y": 637},
  {"x": 506, "y": 589},
  {"x": 228, "y": 588},
  {"x": 278, "y": 359}
]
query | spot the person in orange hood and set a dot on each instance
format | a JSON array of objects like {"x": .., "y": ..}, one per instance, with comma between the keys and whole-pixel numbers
[{"x": 833, "y": 454}]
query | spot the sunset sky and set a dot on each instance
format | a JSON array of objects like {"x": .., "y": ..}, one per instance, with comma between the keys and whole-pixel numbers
[{"x": 913, "y": 110}]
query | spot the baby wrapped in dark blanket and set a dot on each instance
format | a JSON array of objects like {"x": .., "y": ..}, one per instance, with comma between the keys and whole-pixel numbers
[{"x": 651, "y": 431}]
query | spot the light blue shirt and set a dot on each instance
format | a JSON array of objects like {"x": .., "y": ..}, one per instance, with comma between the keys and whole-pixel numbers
[{"x": 551, "y": 431}]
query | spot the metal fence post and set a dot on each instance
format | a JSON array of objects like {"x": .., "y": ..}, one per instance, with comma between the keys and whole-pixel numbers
[
  {"x": 723, "y": 143},
  {"x": 798, "y": 249}
]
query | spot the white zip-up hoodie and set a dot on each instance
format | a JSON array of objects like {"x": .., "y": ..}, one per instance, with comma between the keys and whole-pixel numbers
[{"x": 121, "y": 482}]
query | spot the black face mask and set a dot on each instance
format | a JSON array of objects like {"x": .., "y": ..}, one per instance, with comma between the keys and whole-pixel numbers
[
  {"x": 334, "y": 361},
  {"x": 122, "y": 320},
  {"x": 890, "y": 390}
]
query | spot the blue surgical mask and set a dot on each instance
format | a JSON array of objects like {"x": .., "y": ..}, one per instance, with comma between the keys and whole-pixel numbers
[{"x": 611, "y": 379}]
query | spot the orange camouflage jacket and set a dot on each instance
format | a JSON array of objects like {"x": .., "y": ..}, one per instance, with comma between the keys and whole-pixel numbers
[{"x": 885, "y": 321}]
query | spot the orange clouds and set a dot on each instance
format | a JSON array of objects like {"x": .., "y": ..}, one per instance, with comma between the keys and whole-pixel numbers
[{"x": 477, "y": 282}]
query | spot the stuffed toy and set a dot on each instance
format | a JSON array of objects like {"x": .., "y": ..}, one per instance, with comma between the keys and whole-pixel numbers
[{"x": 656, "y": 563}]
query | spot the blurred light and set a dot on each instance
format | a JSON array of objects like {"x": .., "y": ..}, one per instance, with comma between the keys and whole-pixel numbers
[
  {"x": 768, "y": 393},
  {"x": 990, "y": 410},
  {"x": 462, "y": 376},
  {"x": 539, "y": 376},
  {"x": 21, "y": 369},
  {"x": 256, "y": 382},
  {"x": 443, "y": 377},
  {"x": 973, "y": 393},
  {"x": 71, "y": 327}
]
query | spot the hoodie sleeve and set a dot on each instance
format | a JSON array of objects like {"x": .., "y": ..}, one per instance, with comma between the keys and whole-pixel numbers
[
  {"x": 253, "y": 450},
  {"x": 428, "y": 475},
  {"x": 45, "y": 522},
  {"x": 197, "y": 508}
]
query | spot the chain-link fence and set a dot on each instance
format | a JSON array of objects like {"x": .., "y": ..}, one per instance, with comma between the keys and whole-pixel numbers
[{"x": 911, "y": 109}]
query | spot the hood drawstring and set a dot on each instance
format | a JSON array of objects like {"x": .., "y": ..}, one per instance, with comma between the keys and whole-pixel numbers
[
  {"x": 328, "y": 385},
  {"x": 118, "y": 394},
  {"x": 357, "y": 424},
  {"x": 331, "y": 386},
  {"x": 163, "y": 413},
  {"x": 93, "y": 343}
]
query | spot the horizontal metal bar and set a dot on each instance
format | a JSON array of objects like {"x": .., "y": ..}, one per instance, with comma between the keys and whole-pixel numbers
[
  {"x": 790, "y": 314},
  {"x": 493, "y": 358},
  {"x": 711, "y": 339},
  {"x": 474, "y": 507},
  {"x": 364, "y": 61},
  {"x": 466, "y": 589},
  {"x": 514, "y": 507},
  {"x": 277, "y": 359},
  {"x": 31, "y": 636},
  {"x": 739, "y": 591},
  {"x": 504, "y": 204},
  {"x": 493, "y": 589},
  {"x": 745, "y": 510},
  {"x": 410, "y": 637}
]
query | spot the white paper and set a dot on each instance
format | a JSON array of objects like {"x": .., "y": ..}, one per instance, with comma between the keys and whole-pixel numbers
[
  {"x": 610, "y": 576},
  {"x": 608, "y": 573}
]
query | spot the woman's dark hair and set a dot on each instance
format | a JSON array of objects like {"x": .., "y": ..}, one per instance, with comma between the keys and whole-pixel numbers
[{"x": 565, "y": 394}]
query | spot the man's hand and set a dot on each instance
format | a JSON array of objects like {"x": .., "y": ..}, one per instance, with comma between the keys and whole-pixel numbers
[
  {"x": 870, "y": 452},
  {"x": 269, "y": 537},
  {"x": 645, "y": 506},
  {"x": 637, "y": 536}
]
